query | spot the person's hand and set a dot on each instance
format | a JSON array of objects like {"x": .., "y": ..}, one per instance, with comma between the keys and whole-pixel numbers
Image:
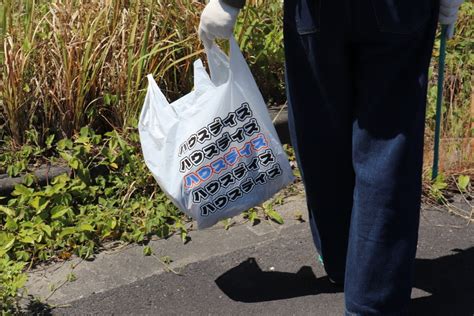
[
  {"x": 217, "y": 21},
  {"x": 448, "y": 14}
]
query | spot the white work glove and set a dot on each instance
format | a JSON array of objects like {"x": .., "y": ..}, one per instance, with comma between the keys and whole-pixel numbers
[
  {"x": 217, "y": 21},
  {"x": 448, "y": 14}
]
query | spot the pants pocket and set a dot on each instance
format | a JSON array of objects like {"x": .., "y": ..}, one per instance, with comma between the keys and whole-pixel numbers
[
  {"x": 307, "y": 16},
  {"x": 402, "y": 16}
]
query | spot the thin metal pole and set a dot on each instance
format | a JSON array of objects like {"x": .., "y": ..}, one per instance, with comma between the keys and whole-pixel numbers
[{"x": 439, "y": 100}]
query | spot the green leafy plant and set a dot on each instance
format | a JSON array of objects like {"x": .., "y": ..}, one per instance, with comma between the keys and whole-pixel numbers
[
  {"x": 437, "y": 187},
  {"x": 463, "y": 182},
  {"x": 271, "y": 213},
  {"x": 252, "y": 216},
  {"x": 110, "y": 195},
  {"x": 12, "y": 280},
  {"x": 147, "y": 251}
]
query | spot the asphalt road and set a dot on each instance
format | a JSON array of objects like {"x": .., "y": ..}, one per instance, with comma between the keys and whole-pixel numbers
[{"x": 282, "y": 277}]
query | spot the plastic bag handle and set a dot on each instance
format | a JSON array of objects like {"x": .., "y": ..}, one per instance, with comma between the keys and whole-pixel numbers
[
  {"x": 156, "y": 108},
  {"x": 237, "y": 60},
  {"x": 239, "y": 68},
  {"x": 202, "y": 81},
  {"x": 153, "y": 87},
  {"x": 219, "y": 64},
  {"x": 224, "y": 68}
]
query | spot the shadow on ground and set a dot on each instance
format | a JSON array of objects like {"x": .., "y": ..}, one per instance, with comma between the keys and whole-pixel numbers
[
  {"x": 248, "y": 283},
  {"x": 35, "y": 307},
  {"x": 449, "y": 281}
]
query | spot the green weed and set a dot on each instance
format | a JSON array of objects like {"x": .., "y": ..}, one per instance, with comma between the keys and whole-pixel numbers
[{"x": 110, "y": 196}]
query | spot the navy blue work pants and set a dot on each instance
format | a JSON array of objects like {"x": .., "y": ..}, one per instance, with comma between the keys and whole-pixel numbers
[{"x": 356, "y": 74}]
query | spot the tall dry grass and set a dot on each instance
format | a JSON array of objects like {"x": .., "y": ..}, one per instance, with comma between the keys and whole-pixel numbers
[
  {"x": 457, "y": 132},
  {"x": 69, "y": 63}
]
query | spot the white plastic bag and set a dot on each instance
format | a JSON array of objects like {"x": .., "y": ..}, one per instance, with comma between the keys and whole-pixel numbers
[{"x": 215, "y": 151}]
